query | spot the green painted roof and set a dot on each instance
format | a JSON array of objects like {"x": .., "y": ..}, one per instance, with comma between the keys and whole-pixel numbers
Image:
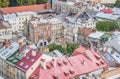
[
  {"x": 14, "y": 58},
  {"x": 106, "y": 35}
]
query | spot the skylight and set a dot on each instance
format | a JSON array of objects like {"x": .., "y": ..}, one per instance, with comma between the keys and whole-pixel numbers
[
  {"x": 21, "y": 64},
  {"x": 26, "y": 66},
  {"x": 32, "y": 60}
]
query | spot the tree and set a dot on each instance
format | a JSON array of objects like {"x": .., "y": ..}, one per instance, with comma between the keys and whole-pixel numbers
[
  {"x": 4, "y": 3},
  {"x": 67, "y": 51},
  {"x": 71, "y": 48},
  {"x": 25, "y": 2},
  {"x": 12, "y": 2},
  {"x": 107, "y": 25},
  {"x": 41, "y": 1},
  {"x": 117, "y": 3}
]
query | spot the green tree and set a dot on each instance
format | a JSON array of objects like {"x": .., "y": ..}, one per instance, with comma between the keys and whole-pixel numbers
[
  {"x": 25, "y": 2},
  {"x": 117, "y": 3},
  {"x": 20, "y": 2},
  {"x": 71, "y": 48},
  {"x": 67, "y": 51},
  {"x": 12, "y": 2},
  {"x": 41, "y": 1},
  {"x": 4, "y": 3},
  {"x": 107, "y": 25}
]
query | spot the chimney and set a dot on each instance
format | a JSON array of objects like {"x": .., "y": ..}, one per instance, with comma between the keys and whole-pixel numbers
[
  {"x": 72, "y": 71},
  {"x": 7, "y": 44},
  {"x": 112, "y": 52},
  {"x": 43, "y": 64},
  {"x": 54, "y": 62},
  {"x": 65, "y": 62},
  {"x": 83, "y": 62},
  {"x": 33, "y": 53},
  {"x": 59, "y": 63},
  {"x": 20, "y": 43},
  {"x": 48, "y": 6},
  {"x": 105, "y": 49},
  {"x": 55, "y": 77},
  {"x": 66, "y": 73}
]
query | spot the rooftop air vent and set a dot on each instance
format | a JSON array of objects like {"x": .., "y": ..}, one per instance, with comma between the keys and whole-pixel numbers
[
  {"x": 55, "y": 77},
  {"x": 72, "y": 71},
  {"x": 66, "y": 73},
  {"x": 49, "y": 66},
  {"x": 65, "y": 62},
  {"x": 59, "y": 63}
]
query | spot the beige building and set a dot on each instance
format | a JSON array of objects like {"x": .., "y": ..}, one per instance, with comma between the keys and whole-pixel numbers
[
  {"x": 74, "y": 6},
  {"x": 5, "y": 28},
  {"x": 44, "y": 31},
  {"x": 5, "y": 51},
  {"x": 108, "y": 1}
]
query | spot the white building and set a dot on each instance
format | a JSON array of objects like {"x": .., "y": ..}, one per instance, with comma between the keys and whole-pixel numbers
[
  {"x": 17, "y": 19},
  {"x": 114, "y": 42},
  {"x": 5, "y": 52},
  {"x": 5, "y": 28},
  {"x": 12, "y": 19},
  {"x": 22, "y": 17}
]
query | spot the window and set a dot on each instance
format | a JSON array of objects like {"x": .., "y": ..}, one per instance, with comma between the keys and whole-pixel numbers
[
  {"x": 45, "y": 43},
  {"x": 41, "y": 44}
]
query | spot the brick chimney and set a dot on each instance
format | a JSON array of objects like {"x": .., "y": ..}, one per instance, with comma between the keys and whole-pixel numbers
[
  {"x": 43, "y": 64},
  {"x": 54, "y": 62},
  {"x": 105, "y": 49},
  {"x": 7, "y": 43},
  {"x": 112, "y": 52},
  {"x": 48, "y": 6}
]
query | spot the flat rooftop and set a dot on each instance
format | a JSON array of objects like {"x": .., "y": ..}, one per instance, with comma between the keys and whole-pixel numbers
[{"x": 6, "y": 52}]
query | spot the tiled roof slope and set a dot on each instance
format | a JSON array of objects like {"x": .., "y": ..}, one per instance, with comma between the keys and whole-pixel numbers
[
  {"x": 68, "y": 67},
  {"x": 23, "y": 8}
]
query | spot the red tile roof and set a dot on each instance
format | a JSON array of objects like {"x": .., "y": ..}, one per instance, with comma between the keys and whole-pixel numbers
[
  {"x": 79, "y": 51},
  {"x": 107, "y": 11},
  {"x": 26, "y": 62},
  {"x": 61, "y": 70},
  {"x": 86, "y": 31},
  {"x": 23, "y": 8},
  {"x": 87, "y": 62},
  {"x": 76, "y": 65}
]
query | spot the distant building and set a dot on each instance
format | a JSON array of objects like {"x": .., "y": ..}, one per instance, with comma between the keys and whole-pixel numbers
[
  {"x": 1, "y": 77},
  {"x": 83, "y": 34},
  {"x": 27, "y": 65},
  {"x": 114, "y": 41},
  {"x": 5, "y": 28},
  {"x": 95, "y": 38},
  {"x": 17, "y": 16},
  {"x": 111, "y": 56},
  {"x": 10, "y": 10},
  {"x": 108, "y": 1},
  {"x": 107, "y": 16},
  {"x": 6, "y": 51},
  {"x": 70, "y": 67},
  {"x": 44, "y": 31},
  {"x": 17, "y": 19}
]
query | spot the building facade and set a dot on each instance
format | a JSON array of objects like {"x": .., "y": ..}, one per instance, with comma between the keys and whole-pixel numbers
[{"x": 44, "y": 31}]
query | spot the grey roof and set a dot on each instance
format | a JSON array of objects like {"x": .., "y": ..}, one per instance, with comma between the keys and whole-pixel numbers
[
  {"x": 116, "y": 11},
  {"x": 107, "y": 16},
  {"x": 92, "y": 13},
  {"x": 10, "y": 16}
]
